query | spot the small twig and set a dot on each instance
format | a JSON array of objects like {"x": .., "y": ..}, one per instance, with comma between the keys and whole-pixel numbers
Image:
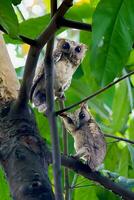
[
  {"x": 74, "y": 24},
  {"x": 95, "y": 94},
  {"x": 65, "y": 151},
  {"x": 49, "y": 79},
  {"x": 119, "y": 138},
  {"x": 52, "y": 120}
]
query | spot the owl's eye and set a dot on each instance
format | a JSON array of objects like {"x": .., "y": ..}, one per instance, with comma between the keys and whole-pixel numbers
[
  {"x": 66, "y": 46},
  {"x": 78, "y": 49},
  {"x": 81, "y": 115},
  {"x": 69, "y": 120}
]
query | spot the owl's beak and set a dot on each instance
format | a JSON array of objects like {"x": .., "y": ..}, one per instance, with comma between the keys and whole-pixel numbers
[
  {"x": 71, "y": 54},
  {"x": 78, "y": 126}
]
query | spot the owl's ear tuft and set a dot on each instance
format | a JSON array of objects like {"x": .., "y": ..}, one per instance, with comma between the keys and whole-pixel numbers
[
  {"x": 84, "y": 105},
  {"x": 84, "y": 46}
]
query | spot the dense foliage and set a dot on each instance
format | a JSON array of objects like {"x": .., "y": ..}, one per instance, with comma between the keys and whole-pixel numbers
[{"x": 110, "y": 55}]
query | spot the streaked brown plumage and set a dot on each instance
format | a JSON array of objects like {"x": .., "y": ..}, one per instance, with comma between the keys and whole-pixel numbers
[
  {"x": 67, "y": 57},
  {"x": 89, "y": 141}
]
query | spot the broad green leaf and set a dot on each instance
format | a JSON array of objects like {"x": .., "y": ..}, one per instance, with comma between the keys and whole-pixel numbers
[
  {"x": 112, "y": 39},
  {"x": 104, "y": 194},
  {"x": 85, "y": 192},
  {"x": 121, "y": 107},
  {"x": 131, "y": 150},
  {"x": 85, "y": 11},
  {"x": 112, "y": 157},
  {"x": 123, "y": 162},
  {"x": 8, "y": 18},
  {"x": 79, "y": 73},
  {"x": 132, "y": 79},
  {"x": 33, "y": 27},
  {"x": 130, "y": 63},
  {"x": 130, "y": 129}
]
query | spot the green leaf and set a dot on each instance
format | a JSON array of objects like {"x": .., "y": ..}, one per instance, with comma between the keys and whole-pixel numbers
[
  {"x": 20, "y": 72},
  {"x": 121, "y": 107},
  {"x": 8, "y": 18},
  {"x": 131, "y": 150},
  {"x": 132, "y": 79},
  {"x": 4, "y": 187},
  {"x": 123, "y": 162},
  {"x": 85, "y": 11},
  {"x": 131, "y": 126},
  {"x": 79, "y": 73},
  {"x": 112, "y": 157},
  {"x": 113, "y": 35},
  {"x": 16, "y": 2},
  {"x": 85, "y": 192},
  {"x": 104, "y": 194},
  {"x": 33, "y": 27}
]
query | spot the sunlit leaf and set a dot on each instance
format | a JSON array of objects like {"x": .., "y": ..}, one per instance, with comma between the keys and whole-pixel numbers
[
  {"x": 33, "y": 27},
  {"x": 131, "y": 126},
  {"x": 131, "y": 150},
  {"x": 113, "y": 35},
  {"x": 123, "y": 162},
  {"x": 121, "y": 107},
  {"x": 8, "y": 18}
]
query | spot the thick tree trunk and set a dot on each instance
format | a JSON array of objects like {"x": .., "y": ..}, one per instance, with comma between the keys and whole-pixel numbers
[
  {"x": 23, "y": 157},
  {"x": 22, "y": 151}
]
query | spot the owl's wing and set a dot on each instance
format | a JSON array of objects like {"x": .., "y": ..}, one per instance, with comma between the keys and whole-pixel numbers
[
  {"x": 39, "y": 74},
  {"x": 57, "y": 56}
]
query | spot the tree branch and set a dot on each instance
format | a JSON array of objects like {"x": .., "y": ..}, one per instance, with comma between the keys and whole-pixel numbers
[
  {"x": 119, "y": 138},
  {"x": 84, "y": 170},
  {"x": 95, "y": 94},
  {"x": 49, "y": 79},
  {"x": 74, "y": 24}
]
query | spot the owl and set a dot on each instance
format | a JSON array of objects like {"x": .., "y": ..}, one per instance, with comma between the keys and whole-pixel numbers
[
  {"x": 89, "y": 141},
  {"x": 67, "y": 56}
]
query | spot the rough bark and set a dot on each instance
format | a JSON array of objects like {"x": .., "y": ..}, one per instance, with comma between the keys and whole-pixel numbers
[
  {"x": 23, "y": 157},
  {"x": 22, "y": 151}
]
